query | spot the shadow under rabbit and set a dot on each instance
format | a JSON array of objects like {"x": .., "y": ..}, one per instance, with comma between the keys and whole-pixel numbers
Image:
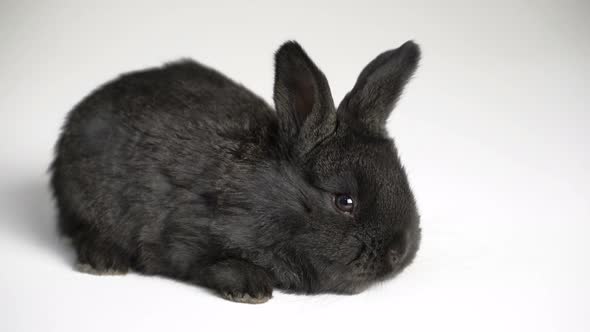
[{"x": 30, "y": 216}]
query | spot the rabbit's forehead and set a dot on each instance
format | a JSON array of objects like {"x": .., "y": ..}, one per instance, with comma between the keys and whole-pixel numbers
[
  {"x": 367, "y": 168},
  {"x": 362, "y": 157}
]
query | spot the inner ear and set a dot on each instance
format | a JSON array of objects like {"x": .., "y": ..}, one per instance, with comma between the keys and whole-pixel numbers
[{"x": 304, "y": 97}]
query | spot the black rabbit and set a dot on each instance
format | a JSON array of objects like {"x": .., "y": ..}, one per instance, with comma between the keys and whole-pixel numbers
[{"x": 179, "y": 171}]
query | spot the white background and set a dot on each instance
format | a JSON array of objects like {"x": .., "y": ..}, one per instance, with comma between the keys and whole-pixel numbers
[{"x": 493, "y": 130}]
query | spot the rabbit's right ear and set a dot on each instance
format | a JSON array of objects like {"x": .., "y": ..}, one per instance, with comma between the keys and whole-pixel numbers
[
  {"x": 302, "y": 98},
  {"x": 379, "y": 86}
]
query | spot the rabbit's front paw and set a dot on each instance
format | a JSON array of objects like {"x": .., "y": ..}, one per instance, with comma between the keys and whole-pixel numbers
[
  {"x": 246, "y": 297},
  {"x": 240, "y": 281}
]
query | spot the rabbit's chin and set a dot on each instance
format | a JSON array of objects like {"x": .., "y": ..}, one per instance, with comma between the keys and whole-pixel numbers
[
  {"x": 364, "y": 276},
  {"x": 356, "y": 286}
]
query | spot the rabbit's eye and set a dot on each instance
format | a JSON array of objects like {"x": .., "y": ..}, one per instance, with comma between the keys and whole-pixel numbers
[{"x": 344, "y": 202}]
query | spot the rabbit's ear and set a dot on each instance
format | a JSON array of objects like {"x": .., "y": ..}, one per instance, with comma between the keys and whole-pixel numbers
[
  {"x": 302, "y": 98},
  {"x": 379, "y": 86}
]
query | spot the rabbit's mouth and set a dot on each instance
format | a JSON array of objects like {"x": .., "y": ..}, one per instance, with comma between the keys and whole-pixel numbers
[
  {"x": 368, "y": 263},
  {"x": 373, "y": 262}
]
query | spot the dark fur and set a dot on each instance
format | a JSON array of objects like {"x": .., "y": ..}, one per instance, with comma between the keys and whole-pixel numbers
[{"x": 179, "y": 171}]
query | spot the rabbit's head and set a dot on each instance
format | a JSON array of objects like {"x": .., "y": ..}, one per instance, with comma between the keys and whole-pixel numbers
[{"x": 361, "y": 220}]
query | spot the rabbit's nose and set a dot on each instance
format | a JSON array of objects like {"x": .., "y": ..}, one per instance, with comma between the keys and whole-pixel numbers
[
  {"x": 397, "y": 250},
  {"x": 395, "y": 256}
]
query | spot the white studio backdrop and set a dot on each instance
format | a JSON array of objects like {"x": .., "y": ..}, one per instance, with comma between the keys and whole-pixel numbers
[{"x": 493, "y": 130}]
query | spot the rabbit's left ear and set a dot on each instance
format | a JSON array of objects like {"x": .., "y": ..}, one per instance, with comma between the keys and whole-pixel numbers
[
  {"x": 302, "y": 98},
  {"x": 379, "y": 86}
]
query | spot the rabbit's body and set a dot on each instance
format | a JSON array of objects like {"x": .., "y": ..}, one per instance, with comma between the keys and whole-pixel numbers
[
  {"x": 179, "y": 171},
  {"x": 136, "y": 135}
]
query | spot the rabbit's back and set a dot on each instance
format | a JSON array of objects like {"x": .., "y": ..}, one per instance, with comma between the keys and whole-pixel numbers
[{"x": 136, "y": 147}]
